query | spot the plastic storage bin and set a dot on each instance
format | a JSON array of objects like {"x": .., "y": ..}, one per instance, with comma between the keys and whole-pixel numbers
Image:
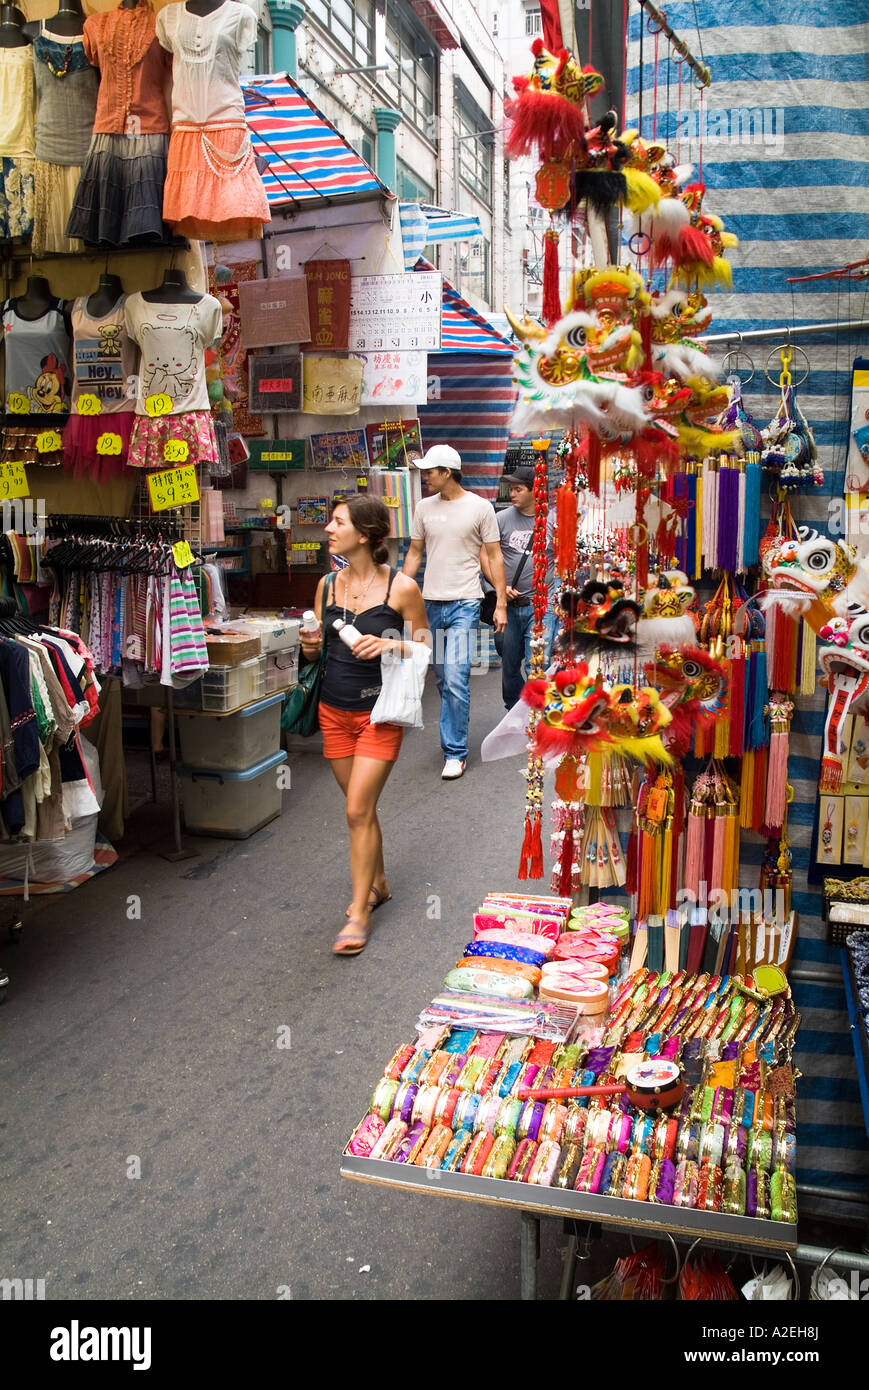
[
  {"x": 231, "y": 805},
  {"x": 232, "y": 742},
  {"x": 282, "y": 669},
  {"x": 226, "y": 688}
]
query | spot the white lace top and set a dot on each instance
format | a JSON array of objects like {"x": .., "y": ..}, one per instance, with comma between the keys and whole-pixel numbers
[{"x": 206, "y": 60}]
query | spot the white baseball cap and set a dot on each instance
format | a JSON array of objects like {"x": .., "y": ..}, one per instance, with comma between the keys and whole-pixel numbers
[{"x": 440, "y": 456}]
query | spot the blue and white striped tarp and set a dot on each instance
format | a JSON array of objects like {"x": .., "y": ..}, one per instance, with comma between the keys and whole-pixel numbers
[
  {"x": 784, "y": 156},
  {"x": 423, "y": 225},
  {"x": 306, "y": 155}
]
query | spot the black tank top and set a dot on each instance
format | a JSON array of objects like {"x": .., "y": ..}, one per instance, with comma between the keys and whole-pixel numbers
[{"x": 348, "y": 682}]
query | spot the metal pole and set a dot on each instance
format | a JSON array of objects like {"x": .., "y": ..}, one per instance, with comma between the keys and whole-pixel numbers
[
  {"x": 843, "y": 1259},
  {"x": 805, "y": 330},
  {"x": 529, "y": 1247},
  {"x": 833, "y": 1194},
  {"x": 815, "y": 977}
]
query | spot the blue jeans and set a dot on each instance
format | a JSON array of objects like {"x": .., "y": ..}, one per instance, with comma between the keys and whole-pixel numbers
[
  {"x": 452, "y": 625},
  {"x": 513, "y": 645}
]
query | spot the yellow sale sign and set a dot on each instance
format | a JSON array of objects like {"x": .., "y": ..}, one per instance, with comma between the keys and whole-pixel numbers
[{"x": 174, "y": 487}]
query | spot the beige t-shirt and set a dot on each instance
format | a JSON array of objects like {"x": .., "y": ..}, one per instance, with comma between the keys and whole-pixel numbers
[{"x": 453, "y": 533}]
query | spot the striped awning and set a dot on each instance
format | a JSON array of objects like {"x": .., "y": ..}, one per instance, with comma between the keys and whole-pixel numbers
[
  {"x": 422, "y": 224},
  {"x": 307, "y": 157},
  {"x": 471, "y": 392}
]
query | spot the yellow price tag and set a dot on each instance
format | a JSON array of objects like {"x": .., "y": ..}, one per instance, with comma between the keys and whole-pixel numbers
[
  {"x": 89, "y": 404},
  {"x": 13, "y": 481},
  {"x": 176, "y": 451},
  {"x": 390, "y": 501},
  {"x": 158, "y": 405},
  {"x": 18, "y": 404},
  {"x": 176, "y": 487},
  {"x": 182, "y": 554},
  {"x": 110, "y": 444},
  {"x": 48, "y": 442},
  {"x": 360, "y": 482}
]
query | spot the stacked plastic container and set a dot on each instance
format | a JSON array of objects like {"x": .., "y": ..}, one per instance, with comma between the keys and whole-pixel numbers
[{"x": 232, "y": 782}]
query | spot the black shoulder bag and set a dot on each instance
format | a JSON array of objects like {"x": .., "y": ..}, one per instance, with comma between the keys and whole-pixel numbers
[
  {"x": 488, "y": 603},
  {"x": 300, "y": 714}
]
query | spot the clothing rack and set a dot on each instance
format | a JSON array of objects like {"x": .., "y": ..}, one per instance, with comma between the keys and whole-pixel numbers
[{"x": 805, "y": 330}]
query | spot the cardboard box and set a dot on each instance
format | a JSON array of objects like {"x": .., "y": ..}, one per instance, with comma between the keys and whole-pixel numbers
[{"x": 232, "y": 648}]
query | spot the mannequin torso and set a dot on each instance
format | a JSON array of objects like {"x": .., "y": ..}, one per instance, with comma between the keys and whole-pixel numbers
[
  {"x": 12, "y": 33},
  {"x": 203, "y": 7},
  {"x": 174, "y": 290},
  {"x": 68, "y": 23},
  {"x": 105, "y": 297},
  {"x": 35, "y": 300}
]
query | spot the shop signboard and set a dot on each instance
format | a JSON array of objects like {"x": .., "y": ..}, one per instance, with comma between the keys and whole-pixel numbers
[
  {"x": 328, "y": 304},
  {"x": 394, "y": 378},
  {"x": 396, "y": 313},
  {"x": 276, "y": 455}
]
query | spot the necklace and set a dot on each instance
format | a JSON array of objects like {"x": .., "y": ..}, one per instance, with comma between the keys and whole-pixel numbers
[{"x": 357, "y": 596}]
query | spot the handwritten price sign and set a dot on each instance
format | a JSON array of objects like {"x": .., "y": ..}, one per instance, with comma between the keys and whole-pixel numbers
[
  {"x": 89, "y": 404},
  {"x": 18, "y": 404},
  {"x": 48, "y": 442},
  {"x": 176, "y": 487},
  {"x": 158, "y": 405},
  {"x": 176, "y": 451},
  {"x": 13, "y": 480},
  {"x": 109, "y": 444},
  {"x": 182, "y": 554}
]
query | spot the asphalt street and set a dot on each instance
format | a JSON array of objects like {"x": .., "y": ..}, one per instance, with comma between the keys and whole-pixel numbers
[{"x": 178, "y": 1087}]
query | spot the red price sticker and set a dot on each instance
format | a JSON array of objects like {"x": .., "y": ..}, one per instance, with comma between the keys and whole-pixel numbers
[{"x": 176, "y": 487}]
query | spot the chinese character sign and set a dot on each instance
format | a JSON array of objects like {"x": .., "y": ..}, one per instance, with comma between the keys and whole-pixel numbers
[
  {"x": 396, "y": 313},
  {"x": 331, "y": 385},
  {"x": 394, "y": 378},
  {"x": 328, "y": 304}
]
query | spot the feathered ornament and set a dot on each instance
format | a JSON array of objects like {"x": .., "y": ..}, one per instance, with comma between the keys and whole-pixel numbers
[
  {"x": 597, "y": 617},
  {"x": 547, "y": 115},
  {"x": 693, "y": 686},
  {"x": 571, "y": 710},
  {"x": 636, "y": 720},
  {"x": 666, "y": 620}
]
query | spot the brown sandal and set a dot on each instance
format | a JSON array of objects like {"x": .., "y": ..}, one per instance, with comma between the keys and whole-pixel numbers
[
  {"x": 352, "y": 939},
  {"x": 379, "y": 900}
]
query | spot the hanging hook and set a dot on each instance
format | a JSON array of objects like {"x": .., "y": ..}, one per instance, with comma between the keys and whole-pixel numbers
[
  {"x": 678, "y": 1260},
  {"x": 785, "y": 355}
]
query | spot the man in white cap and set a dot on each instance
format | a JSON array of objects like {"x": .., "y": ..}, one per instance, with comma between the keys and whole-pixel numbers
[{"x": 453, "y": 526}]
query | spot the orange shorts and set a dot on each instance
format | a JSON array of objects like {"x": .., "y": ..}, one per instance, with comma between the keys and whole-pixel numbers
[{"x": 349, "y": 733}]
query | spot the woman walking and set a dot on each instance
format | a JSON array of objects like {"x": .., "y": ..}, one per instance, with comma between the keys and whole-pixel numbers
[{"x": 377, "y": 600}]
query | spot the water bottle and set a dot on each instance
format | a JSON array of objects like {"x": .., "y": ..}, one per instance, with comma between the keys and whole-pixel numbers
[{"x": 347, "y": 632}]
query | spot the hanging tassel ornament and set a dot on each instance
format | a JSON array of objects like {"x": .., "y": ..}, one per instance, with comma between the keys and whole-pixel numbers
[
  {"x": 551, "y": 278},
  {"x": 781, "y": 711},
  {"x": 531, "y": 858}
]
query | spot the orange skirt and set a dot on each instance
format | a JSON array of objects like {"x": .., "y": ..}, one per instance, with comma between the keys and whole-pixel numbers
[{"x": 213, "y": 190}]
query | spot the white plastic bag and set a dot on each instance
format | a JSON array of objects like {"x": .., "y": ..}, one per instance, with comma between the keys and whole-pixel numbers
[{"x": 400, "y": 699}]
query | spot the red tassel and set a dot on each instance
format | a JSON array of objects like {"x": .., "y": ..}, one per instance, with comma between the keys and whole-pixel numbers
[
  {"x": 565, "y": 863},
  {"x": 592, "y": 464},
  {"x": 535, "y": 865},
  {"x": 525, "y": 852},
  {"x": 784, "y": 653},
  {"x": 737, "y": 706},
  {"x": 646, "y": 339},
  {"x": 551, "y": 286},
  {"x": 831, "y": 774},
  {"x": 565, "y": 518},
  {"x": 759, "y": 798}
]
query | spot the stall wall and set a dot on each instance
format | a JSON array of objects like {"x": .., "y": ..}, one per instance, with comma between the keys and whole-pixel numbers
[{"x": 783, "y": 130}]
